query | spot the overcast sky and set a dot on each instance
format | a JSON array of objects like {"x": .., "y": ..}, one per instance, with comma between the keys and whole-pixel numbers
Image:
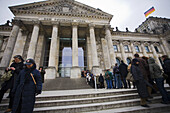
[{"x": 126, "y": 13}]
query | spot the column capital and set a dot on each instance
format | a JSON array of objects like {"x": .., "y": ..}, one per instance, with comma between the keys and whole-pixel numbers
[
  {"x": 91, "y": 25},
  {"x": 107, "y": 26},
  {"x": 55, "y": 23},
  {"x": 74, "y": 23},
  {"x": 36, "y": 22},
  {"x": 16, "y": 22}
]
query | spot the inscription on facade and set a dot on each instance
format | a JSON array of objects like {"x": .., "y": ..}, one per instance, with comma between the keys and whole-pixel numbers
[{"x": 64, "y": 20}]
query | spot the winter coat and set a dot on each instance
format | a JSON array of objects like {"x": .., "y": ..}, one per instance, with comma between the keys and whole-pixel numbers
[
  {"x": 166, "y": 65},
  {"x": 154, "y": 69},
  {"x": 25, "y": 90},
  {"x": 116, "y": 70},
  {"x": 123, "y": 70},
  {"x": 139, "y": 81},
  {"x": 144, "y": 67},
  {"x": 18, "y": 67},
  {"x": 101, "y": 79},
  {"x": 42, "y": 75},
  {"x": 108, "y": 75}
]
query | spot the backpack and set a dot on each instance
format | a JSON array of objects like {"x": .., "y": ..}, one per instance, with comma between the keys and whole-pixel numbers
[{"x": 6, "y": 76}]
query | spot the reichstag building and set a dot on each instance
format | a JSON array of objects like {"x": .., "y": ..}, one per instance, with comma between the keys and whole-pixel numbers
[{"x": 66, "y": 37}]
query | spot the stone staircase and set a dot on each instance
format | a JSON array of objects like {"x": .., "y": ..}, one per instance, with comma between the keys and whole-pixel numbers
[{"x": 94, "y": 101}]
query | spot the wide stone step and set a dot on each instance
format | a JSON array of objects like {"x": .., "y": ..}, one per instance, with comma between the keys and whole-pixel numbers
[
  {"x": 61, "y": 95},
  {"x": 92, "y": 107},
  {"x": 154, "y": 108}
]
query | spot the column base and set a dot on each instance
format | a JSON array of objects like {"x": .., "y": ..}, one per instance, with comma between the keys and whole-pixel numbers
[
  {"x": 51, "y": 73},
  {"x": 96, "y": 70},
  {"x": 75, "y": 72}
]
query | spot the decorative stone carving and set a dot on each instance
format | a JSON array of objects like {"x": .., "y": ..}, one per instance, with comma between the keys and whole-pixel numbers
[
  {"x": 136, "y": 43},
  {"x": 126, "y": 43},
  {"x": 115, "y": 42},
  {"x": 146, "y": 43}
]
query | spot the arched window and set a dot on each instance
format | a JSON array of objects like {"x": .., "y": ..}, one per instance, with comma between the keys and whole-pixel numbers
[
  {"x": 128, "y": 60},
  {"x": 118, "y": 61}
]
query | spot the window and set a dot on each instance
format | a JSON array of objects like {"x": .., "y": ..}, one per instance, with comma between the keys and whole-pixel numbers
[
  {"x": 128, "y": 60},
  {"x": 137, "y": 49},
  {"x": 156, "y": 49},
  {"x": 115, "y": 48},
  {"x": 147, "y": 49},
  {"x": 126, "y": 48},
  {"x": 118, "y": 61}
]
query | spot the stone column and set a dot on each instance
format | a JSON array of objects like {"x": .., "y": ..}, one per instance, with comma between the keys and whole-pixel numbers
[
  {"x": 110, "y": 45},
  {"x": 155, "y": 55},
  {"x": 143, "y": 49},
  {"x": 51, "y": 71},
  {"x": 33, "y": 42},
  {"x": 75, "y": 71},
  {"x": 89, "y": 54},
  {"x": 95, "y": 63},
  {"x": 20, "y": 43},
  {"x": 10, "y": 45},
  {"x": 163, "y": 49},
  {"x": 132, "y": 47},
  {"x": 39, "y": 51},
  {"x": 105, "y": 53},
  {"x": 122, "y": 51},
  {"x": 1, "y": 41},
  {"x": 58, "y": 54},
  {"x": 166, "y": 45}
]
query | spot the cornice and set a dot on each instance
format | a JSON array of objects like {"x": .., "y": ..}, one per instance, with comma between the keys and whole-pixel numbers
[
  {"x": 133, "y": 34},
  {"x": 5, "y": 28},
  {"x": 27, "y": 12}
]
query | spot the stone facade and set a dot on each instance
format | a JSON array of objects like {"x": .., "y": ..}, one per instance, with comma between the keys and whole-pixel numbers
[{"x": 38, "y": 31}]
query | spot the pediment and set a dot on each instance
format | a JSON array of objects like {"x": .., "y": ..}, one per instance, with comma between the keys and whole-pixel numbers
[{"x": 60, "y": 8}]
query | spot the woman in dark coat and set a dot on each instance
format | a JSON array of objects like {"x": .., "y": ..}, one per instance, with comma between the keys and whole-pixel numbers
[
  {"x": 42, "y": 72},
  {"x": 26, "y": 89},
  {"x": 139, "y": 82}
]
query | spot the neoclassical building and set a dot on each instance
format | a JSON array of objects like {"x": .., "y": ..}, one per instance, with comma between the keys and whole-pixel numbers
[{"x": 66, "y": 37}]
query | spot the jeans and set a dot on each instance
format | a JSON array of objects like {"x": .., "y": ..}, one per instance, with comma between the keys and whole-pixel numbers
[
  {"x": 118, "y": 81},
  {"x": 109, "y": 84},
  {"x": 164, "y": 93}
]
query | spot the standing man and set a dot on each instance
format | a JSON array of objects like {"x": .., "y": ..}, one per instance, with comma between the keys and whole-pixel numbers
[
  {"x": 28, "y": 85},
  {"x": 123, "y": 72},
  {"x": 108, "y": 78},
  {"x": 116, "y": 73},
  {"x": 166, "y": 67}
]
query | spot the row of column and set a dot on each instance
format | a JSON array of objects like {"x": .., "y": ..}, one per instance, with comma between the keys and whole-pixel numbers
[{"x": 110, "y": 59}]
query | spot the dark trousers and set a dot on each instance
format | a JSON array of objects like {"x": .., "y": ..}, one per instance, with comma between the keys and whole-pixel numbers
[
  {"x": 124, "y": 82},
  {"x": 164, "y": 93},
  {"x": 4, "y": 88}
]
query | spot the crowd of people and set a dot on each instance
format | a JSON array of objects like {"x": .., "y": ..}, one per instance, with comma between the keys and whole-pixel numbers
[
  {"x": 24, "y": 84},
  {"x": 142, "y": 72}
]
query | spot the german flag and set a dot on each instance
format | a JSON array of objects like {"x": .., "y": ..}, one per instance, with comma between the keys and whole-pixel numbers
[{"x": 148, "y": 12}]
